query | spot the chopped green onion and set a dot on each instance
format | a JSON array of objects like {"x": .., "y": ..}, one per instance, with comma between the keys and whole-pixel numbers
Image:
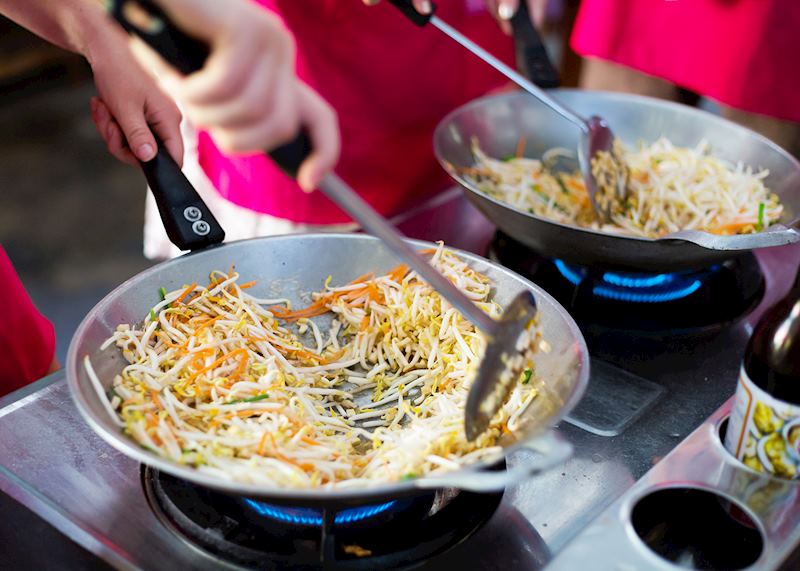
[
  {"x": 509, "y": 158},
  {"x": 162, "y": 293},
  {"x": 560, "y": 182},
  {"x": 760, "y": 225},
  {"x": 526, "y": 376},
  {"x": 409, "y": 476},
  {"x": 538, "y": 190},
  {"x": 152, "y": 315},
  {"x": 251, "y": 399}
]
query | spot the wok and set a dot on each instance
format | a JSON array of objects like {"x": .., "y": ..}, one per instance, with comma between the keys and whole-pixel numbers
[
  {"x": 499, "y": 121},
  {"x": 289, "y": 267}
]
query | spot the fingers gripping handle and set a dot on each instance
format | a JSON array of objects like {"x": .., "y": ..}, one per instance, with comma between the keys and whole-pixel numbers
[
  {"x": 187, "y": 220},
  {"x": 147, "y": 21},
  {"x": 408, "y": 10}
]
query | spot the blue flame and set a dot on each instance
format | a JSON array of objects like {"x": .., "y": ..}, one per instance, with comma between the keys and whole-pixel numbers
[
  {"x": 635, "y": 288},
  {"x": 312, "y": 517}
]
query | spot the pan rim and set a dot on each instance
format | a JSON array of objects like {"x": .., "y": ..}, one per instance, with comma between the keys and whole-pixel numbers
[
  {"x": 438, "y": 136},
  {"x": 129, "y": 448}
]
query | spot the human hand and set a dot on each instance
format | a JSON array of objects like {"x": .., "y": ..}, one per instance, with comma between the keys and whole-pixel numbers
[
  {"x": 504, "y": 10},
  {"x": 247, "y": 95},
  {"x": 130, "y": 110},
  {"x": 422, "y": 6}
]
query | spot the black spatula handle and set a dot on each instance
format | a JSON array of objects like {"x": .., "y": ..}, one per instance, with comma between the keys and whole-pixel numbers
[
  {"x": 187, "y": 220},
  {"x": 532, "y": 59},
  {"x": 148, "y": 21}
]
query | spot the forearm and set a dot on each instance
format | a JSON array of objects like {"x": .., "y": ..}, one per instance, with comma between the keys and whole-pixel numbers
[{"x": 80, "y": 26}]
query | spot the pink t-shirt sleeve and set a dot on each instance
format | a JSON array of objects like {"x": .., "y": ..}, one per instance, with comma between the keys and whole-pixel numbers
[{"x": 27, "y": 338}]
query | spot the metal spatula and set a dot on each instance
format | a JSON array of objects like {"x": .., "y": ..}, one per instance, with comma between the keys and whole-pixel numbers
[
  {"x": 496, "y": 375},
  {"x": 607, "y": 182}
]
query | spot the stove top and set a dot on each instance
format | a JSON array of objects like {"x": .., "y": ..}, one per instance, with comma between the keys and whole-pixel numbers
[{"x": 650, "y": 412}]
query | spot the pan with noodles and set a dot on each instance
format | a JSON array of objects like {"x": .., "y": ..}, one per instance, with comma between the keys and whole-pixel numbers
[
  {"x": 701, "y": 189},
  {"x": 315, "y": 368}
]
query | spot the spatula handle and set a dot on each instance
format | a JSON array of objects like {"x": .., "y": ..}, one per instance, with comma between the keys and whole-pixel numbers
[
  {"x": 187, "y": 220},
  {"x": 533, "y": 60}
]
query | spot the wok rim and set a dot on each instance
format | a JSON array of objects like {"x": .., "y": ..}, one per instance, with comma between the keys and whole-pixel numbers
[
  {"x": 438, "y": 136},
  {"x": 310, "y": 496}
]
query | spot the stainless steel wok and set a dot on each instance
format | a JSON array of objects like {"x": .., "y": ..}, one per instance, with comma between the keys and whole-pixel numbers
[
  {"x": 498, "y": 122},
  {"x": 290, "y": 266}
]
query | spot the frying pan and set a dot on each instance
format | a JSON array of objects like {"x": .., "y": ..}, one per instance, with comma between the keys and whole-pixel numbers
[
  {"x": 288, "y": 267},
  {"x": 498, "y": 122}
]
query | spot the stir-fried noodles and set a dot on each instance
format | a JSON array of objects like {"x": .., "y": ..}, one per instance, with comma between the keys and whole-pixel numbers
[
  {"x": 221, "y": 380},
  {"x": 669, "y": 189}
]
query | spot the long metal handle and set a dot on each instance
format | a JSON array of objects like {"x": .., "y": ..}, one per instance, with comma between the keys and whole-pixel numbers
[
  {"x": 340, "y": 193},
  {"x": 510, "y": 73}
]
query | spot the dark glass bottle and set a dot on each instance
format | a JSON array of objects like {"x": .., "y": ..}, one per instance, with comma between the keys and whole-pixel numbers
[{"x": 764, "y": 427}]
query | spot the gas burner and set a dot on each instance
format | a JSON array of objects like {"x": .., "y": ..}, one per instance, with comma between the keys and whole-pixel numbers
[
  {"x": 312, "y": 517},
  {"x": 250, "y": 533},
  {"x": 675, "y": 304}
]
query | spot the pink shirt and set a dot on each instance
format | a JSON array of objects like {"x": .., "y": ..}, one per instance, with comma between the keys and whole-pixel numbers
[
  {"x": 390, "y": 83},
  {"x": 743, "y": 53},
  {"x": 27, "y": 340}
]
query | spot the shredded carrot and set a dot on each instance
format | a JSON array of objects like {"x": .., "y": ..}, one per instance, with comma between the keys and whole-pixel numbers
[
  {"x": 241, "y": 368},
  {"x": 262, "y": 444},
  {"x": 217, "y": 363},
  {"x": 520, "y": 151},
  {"x": 185, "y": 292},
  {"x": 374, "y": 293},
  {"x": 248, "y": 285},
  {"x": 317, "y": 308},
  {"x": 194, "y": 297},
  {"x": 397, "y": 273},
  {"x": 333, "y": 357},
  {"x": 274, "y": 450},
  {"x": 154, "y": 397},
  {"x": 207, "y": 323},
  {"x": 731, "y": 228},
  {"x": 353, "y": 294},
  {"x": 362, "y": 279}
]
